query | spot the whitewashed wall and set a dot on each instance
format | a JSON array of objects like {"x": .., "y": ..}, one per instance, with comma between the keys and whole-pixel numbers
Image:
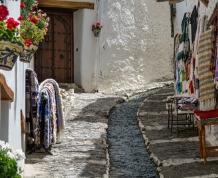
[
  {"x": 135, "y": 44},
  {"x": 10, "y": 130},
  {"x": 133, "y": 49},
  {"x": 187, "y": 6}
]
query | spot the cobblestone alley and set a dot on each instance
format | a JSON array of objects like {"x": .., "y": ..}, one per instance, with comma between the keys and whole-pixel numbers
[{"x": 86, "y": 149}]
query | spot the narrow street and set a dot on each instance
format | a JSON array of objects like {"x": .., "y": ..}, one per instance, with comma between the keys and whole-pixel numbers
[{"x": 86, "y": 149}]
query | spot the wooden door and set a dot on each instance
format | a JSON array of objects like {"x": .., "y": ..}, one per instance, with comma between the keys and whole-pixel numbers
[{"x": 54, "y": 58}]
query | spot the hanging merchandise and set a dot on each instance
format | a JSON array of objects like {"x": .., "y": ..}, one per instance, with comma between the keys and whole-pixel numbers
[
  {"x": 183, "y": 52},
  {"x": 32, "y": 101},
  {"x": 214, "y": 47},
  {"x": 193, "y": 22},
  {"x": 43, "y": 112},
  {"x": 57, "y": 113},
  {"x": 207, "y": 90}
]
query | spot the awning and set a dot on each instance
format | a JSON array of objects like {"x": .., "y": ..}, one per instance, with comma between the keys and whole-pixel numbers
[
  {"x": 69, "y": 4},
  {"x": 6, "y": 92}
]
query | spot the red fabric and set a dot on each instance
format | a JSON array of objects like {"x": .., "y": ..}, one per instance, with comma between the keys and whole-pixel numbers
[{"x": 200, "y": 115}]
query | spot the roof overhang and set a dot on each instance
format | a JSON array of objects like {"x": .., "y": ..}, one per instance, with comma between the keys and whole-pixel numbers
[{"x": 68, "y": 4}]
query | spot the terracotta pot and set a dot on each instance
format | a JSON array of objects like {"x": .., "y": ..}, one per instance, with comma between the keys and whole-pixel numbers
[
  {"x": 96, "y": 32},
  {"x": 9, "y": 51},
  {"x": 28, "y": 52}
]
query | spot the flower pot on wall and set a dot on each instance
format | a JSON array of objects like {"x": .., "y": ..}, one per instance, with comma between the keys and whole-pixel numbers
[
  {"x": 96, "y": 32},
  {"x": 9, "y": 51},
  {"x": 28, "y": 52}
]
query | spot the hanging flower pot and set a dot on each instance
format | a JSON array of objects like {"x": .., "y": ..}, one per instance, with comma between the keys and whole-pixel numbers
[
  {"x": 96, "y": 32},
  {"x": 9, "y": 51},
  {"x": 96, "y": 28},
  {"x": 28, "y": 52}
]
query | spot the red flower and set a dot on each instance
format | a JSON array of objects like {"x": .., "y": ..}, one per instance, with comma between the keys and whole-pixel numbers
[
  {"x": 27, "y": 42},
  {"x": 20, "y": 18},
  {"x": 11, "y": 23},
  {"x": 98, "y": 23},
  {"x": 22, "y": 5},
  {"x": 46, "y": 29},
  {"x": 34, "y": 20},
  {"x": 3, "y": 12}
]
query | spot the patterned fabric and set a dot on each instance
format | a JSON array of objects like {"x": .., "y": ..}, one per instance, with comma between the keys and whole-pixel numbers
[
  {"x": 207, "y": 89},
  {"x": 214, "y": 47},
  {"x": 58, "y": 118},
  {"x": 32, "y": 101},
  {"x": 46, "y": 117},
  {"x": 206, "y": 116},
  {"x": 184, "y": 44}
]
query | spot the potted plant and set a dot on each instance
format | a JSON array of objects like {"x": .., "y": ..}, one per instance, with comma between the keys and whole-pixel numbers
[
  {"x": 10, "y": 41},
  {"x": 96, "y": 28},
  {"x": 9, "y": 161},
  {"x": 33, "y": 28}
]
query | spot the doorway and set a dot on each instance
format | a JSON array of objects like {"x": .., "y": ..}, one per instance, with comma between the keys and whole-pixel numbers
[{"x": 54, "y": 57}]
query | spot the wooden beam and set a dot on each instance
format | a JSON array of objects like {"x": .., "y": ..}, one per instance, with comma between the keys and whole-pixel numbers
[
  {"x": 215, "y": 12},
  {"x": 205, "y": 2},
  {"x": 66, "y": 4},
  {"x": 6, "y": 92}
]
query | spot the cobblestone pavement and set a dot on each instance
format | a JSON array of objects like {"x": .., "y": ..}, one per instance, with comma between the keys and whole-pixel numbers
[
  {"x": 128, "y": 155},
  {"x": 176, "y": 156},
  {"x": 83, "y": 151}
]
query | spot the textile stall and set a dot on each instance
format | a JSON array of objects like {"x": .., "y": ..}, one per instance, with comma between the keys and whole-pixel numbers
[{"x": 44, "y": 112}]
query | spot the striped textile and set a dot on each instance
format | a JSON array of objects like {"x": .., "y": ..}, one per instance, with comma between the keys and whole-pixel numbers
[{"x": 207, "y": 89}]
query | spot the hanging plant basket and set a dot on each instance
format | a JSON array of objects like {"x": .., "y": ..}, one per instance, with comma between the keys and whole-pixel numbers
[
  {"x": 28, "y": 52},
  {"x": 9, "y": 51},
  {"x": 96, "y": 32}
]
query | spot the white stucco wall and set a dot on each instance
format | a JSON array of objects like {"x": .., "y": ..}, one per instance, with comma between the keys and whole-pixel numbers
[
  {"x": 135, "y": 44},
  {"x": 187, "y": 6},
  {"x": 133, "y": 49},
  {"x": 10, "y": 130},
  {"x": 84, "y": 48}
]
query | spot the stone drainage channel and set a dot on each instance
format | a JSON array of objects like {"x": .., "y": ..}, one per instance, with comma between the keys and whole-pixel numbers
[{"x": 127, "y": 153}]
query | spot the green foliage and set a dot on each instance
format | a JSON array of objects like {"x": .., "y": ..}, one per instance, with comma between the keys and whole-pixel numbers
[
  {"x": 12, "y": 35},
  {"x": 8, "y": 166},
  {"x": 29, "y": 30},
  {"x": 28, "y": 7}
]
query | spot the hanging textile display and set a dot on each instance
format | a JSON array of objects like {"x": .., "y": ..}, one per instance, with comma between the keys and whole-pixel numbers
[
  {"x": 207, "y": 89},
  {"x": 57, "y": 113},
  {"x": 182, "y": 56},
  {"x": 214, "y": 46},
  {"x": 45, "y": 117},
  {"x": 193, "y": 22},
  {"x": 32, "y": 101},
  {"x": 44, "y": 111}
]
